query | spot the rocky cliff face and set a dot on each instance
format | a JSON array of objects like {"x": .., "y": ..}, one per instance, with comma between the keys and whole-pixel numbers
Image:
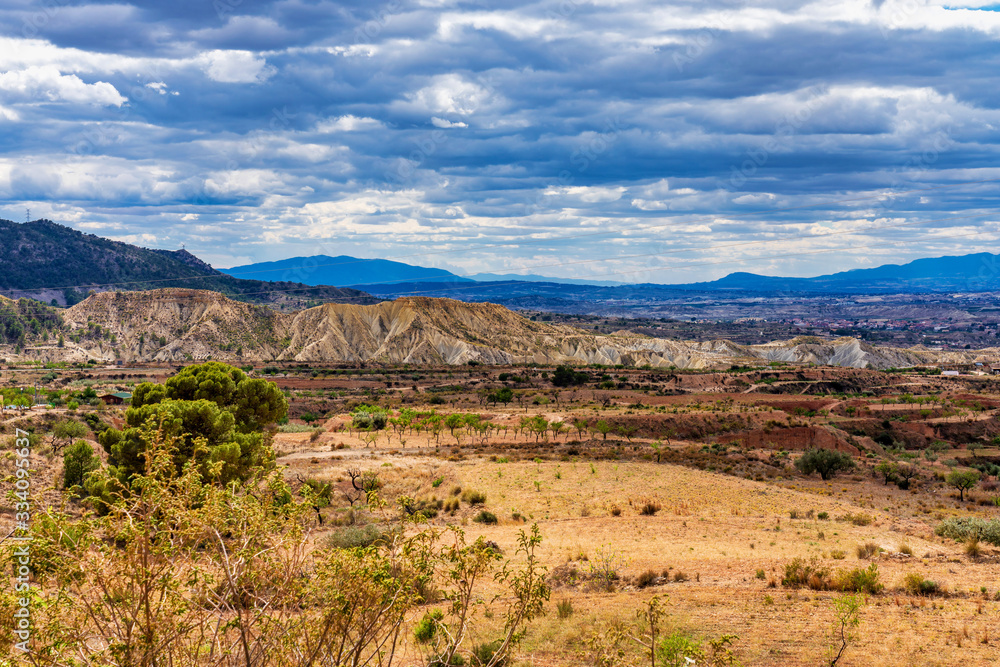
[{"x": 175, "y": 324}]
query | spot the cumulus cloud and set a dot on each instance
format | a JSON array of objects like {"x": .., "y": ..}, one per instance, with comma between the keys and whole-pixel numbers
[
  {"x": 347, "y": 123},
  {"x": 445, "y": 124},
  {"x": 451, "y": 94},
  {"x": 47, "y": 84},
  {"x": 235, "y": 67}
]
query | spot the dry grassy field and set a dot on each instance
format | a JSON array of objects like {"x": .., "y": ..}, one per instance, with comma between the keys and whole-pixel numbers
[{"x": 679, "y": 486}]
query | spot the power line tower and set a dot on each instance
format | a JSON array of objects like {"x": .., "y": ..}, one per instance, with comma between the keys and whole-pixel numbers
[{"x": 27, "y": 215}]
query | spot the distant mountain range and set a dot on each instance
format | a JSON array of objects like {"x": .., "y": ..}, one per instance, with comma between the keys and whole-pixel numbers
[
  {"x": 341, "y": 270},
  {"x": 50, "y": 262},
  {"x": 344, "y": 270},
  {"x": 971, "y": 273},
  {"x": 53, "y": 263},
  {"x": 967, "y": 273}
]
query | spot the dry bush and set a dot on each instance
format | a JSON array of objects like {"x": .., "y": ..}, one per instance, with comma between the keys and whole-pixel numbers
[
  {"x": 858, "y": 519},
  {"x": 867, "y": 550},
  {"x": 471, "y": 497},
  {"x": 649, "y": 508},
  {"x": 972, "y": 547},
  {"x": 646, "y": 579},
  {"x": 802, "y": 574}
]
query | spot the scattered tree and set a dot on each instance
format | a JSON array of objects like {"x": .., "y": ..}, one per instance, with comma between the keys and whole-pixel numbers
[
  {"x": 963, "y": 480},
  {"x": 888, "y": 470},
  {"x": 78, "y": 462},
  {"x": 824, "y": 461}
]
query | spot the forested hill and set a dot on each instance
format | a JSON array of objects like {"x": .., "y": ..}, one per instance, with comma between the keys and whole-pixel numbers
[{"x": 48, "y": 261}]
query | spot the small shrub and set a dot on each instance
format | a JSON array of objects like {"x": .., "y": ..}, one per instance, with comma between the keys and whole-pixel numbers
[
  {"x": 349, "y": 537},
  {"x": 646, "y": 579},
  {"x": 972, "y": 548},
  {"x": 485, "y": 517},
  {"x": 564, "y": 608},
  {"x": 438, "y": 661},
  {"x": 867, "y": 550},
  {"x": 649, "y": 508},
  {"x": 859, "y": 519},
  {"x": 799, "y": 573},
  {"x": 470, "y": 497},
  {"x": 604, "y": 567},
  {"x": 678, "y": 650},
  {"x": 616, "y": 511},
  {"x": 680, "y": 576},
  {"x": 838, "y": 554},
  {"x": 761, "y": 574},
  {"x": 437, "y": 482},
  {"x": 905, "y": 548},
  {"x": 915, "y": 584},
  {"x": 485, "y": 654},
  {"x": 426, "y": 628},
  {"x": 823, "y": 516},
  {"x": 859, "y": 580}
]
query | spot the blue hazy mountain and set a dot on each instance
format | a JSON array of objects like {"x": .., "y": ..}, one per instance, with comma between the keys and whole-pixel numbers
[
  {"x": 967, "y": 273},
  {"x": 972, "y": 273},
  {"x": 344, "y": 270},
  {"x": 979, "y": 272},
  {"x": 341, "y": 270}
]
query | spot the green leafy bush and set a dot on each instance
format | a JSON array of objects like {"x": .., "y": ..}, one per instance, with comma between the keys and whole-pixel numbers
[
  {"x": 962, "y": 528},
  {"x": 427, "y": 626},
  {"x": 859, "y": 580},
  {"x": 485, "y": 654},
  {"x": 471, "y": 497},
  {"x": 679, "y": 649},
  {"x": 369, "y": 418},
  {"x": 915, "y": 584},
  {"x": 485, "y": 517}
]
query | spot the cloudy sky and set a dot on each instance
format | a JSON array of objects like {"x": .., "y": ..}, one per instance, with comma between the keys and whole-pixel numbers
[{"x": 621, "y": 139}]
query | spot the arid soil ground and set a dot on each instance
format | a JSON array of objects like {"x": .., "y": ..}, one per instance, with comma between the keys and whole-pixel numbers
[{"x": 689, "y": 493}]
